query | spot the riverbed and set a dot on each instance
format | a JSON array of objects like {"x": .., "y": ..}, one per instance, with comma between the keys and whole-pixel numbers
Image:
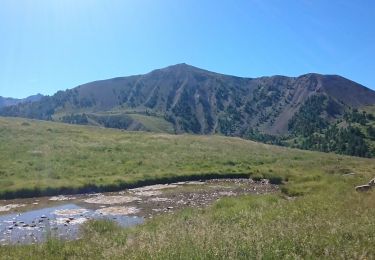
[{"x": 29, "y": 221}]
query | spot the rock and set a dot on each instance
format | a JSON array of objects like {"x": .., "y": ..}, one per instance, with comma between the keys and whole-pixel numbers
[
  {"x": 70, "y": 212},
  {"x": 169, "y": 207},
  {"x": 362, "y": 188}
]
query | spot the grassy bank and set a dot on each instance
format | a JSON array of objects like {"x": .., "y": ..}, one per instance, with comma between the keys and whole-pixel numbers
[
  {"x": 120, "y": 185},
  {"x": 44, "y": 158},
  {"x": 335, "y": 223},
  {"x": 317, "y": 215}
]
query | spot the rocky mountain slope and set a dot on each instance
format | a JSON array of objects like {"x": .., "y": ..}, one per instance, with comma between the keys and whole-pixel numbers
[{"x": 198, "y": 101}]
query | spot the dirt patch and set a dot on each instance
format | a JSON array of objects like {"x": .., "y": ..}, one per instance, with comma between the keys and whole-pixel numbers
[
  {"x": 118, "y": 211},
  {"x": 109, "y": 200},
  {"x": 198, "y": 196}
]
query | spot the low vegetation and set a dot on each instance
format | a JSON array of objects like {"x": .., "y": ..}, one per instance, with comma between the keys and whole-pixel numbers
[
  {"x": 317, "y": 214},
  {"x": 45, "y": 158},
  {"x": 331, "y": 222}
]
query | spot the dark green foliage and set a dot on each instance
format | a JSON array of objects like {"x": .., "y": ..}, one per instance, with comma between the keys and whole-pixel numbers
[
  {"x": 222, "y": 94},
  {"x": 184, "y": 112},
  {"x": 371, "y": 132},
  {"x": 256, "y": 135},
  {"x": 349, "y": 141},
  {"x": 266, "y": 96},
  {"x": 231, "y": 121},
  {"x": 275, "y": 180},
  {"x": 356, "y": 117},
  {"x": 113, "y": 121},
  {"x": 79, "y": 119},
  {"x": 249, "y": 109},
  {"x": 204, "y": 100},
  {"x": 308, "y": 119}
]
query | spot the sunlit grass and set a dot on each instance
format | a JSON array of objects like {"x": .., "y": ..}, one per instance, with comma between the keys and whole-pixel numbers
[
  {"x": 44, "y": 155},
  {"x": 317, "y": 215}
]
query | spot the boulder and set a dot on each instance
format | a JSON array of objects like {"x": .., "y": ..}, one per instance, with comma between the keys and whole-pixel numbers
[{"x": 365, "y": 187}]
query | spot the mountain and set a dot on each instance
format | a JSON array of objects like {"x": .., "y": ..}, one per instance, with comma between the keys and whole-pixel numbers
[
  {"x": 183, "y": 98},
  {"x": 5, "y": 102}
]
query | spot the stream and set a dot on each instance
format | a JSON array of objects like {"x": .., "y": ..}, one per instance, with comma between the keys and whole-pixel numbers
[{"x": 29, "y": 221}]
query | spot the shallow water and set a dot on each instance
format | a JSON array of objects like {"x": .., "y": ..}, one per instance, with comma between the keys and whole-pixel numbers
[
  {"x": 36, "y": 225},
  {"x": 33, "y": 220}
]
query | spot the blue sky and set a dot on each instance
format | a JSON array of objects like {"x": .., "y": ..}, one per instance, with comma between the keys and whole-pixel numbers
[{"x": 49, "y": 45}]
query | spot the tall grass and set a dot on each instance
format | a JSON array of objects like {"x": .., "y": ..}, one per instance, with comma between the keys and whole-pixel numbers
[
  {"x": 45, "y": 158},
  {"x": 336, "y": 223},
  {"x": 318, "y": 214}
]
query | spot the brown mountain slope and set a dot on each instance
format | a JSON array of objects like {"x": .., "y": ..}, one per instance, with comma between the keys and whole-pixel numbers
[{"x": 199, "y": 101}]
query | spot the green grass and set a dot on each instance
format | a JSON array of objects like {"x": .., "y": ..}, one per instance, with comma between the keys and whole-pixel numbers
[
  {"x": 154, "y": 123},
  {"x": 44, "y": 156},
  {"x": 325, "y": 218},
  {"x": 336, "y": 223}
]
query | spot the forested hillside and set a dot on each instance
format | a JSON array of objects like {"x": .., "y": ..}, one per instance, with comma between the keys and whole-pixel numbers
[{"x": 305, "y": 112}]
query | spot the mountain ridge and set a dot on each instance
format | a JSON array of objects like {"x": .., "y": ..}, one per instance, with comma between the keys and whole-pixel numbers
[
  {"x": 199, "y": 101},
  {"x": 8, "y": 101}
]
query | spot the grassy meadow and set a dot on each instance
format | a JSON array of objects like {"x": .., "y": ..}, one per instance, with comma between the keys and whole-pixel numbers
[{"x": 317, "y": 214}]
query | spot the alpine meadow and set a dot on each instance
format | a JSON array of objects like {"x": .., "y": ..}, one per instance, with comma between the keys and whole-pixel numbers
[{"x": 187, "y": 129}]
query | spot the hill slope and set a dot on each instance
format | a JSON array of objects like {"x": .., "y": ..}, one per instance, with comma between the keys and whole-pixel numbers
[
  {"x": 37, "y": 155},
  {"x": 186, "y": 99},
  {"x": 5, "y": 102}
]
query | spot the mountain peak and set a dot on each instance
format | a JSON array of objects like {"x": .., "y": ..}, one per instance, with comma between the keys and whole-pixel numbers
[
  {"x": 201, "y": 101},
  {"x": 180, "y": 67}
]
